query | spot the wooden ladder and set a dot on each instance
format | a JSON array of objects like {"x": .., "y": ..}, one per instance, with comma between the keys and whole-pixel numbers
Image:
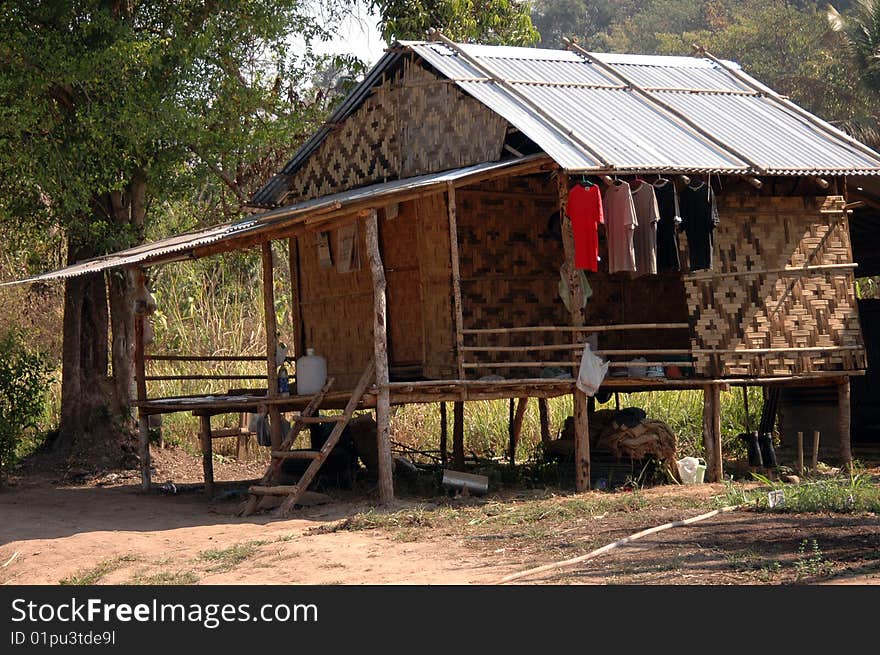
[{"x": 318, "y": 457}]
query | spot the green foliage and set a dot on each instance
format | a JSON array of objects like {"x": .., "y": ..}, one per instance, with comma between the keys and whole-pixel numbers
[
  {"x": 842, "y": 493},
  {"x": 810, "y": 560},
  {"x": 226, "y": 559},
  {"x": 495, "y": 22},
  {"x": 24, "y": 377},
  {"x": 555, "y": 19},
  {"x": 193, "y": 99},
  {"x": 861, "y": 32}
]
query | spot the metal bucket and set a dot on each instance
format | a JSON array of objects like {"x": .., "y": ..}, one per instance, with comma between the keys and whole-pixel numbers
[{"x": 477, "y": 485}]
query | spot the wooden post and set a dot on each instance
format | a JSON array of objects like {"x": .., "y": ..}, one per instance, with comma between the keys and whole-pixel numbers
[
  {"x": 207, "y": 455},
  {"x": 815, "y": 461},
  {"x": 458, "y": 435},
  {"x": 516, "y": 428},
  {"x": 380, "y": 353},
  {"x": 544, "y": 412},
  {"x": 456, "y": 279},
  {"x": 581, "y": 442},
  {"x": 271, "y": 343},
  {"x": 712, "y": 432},
  {"x": 443, "y": 434},
  {"x": 141, "y": 390},
  {"x": 295, "y": 295},
  {"x": 800, "y": 453},
  {"x": 581, "y": 414},
  {"x": 843, "y": 424}
]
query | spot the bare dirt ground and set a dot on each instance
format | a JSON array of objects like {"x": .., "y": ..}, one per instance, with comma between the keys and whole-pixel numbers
[{"x": 104, "y": 530}]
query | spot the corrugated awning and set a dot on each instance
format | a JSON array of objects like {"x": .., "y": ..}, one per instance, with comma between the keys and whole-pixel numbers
[{"x": 316, "y": 213}]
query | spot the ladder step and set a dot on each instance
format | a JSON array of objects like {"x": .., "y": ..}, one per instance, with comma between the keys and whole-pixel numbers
[
  {"x": 296, "y": 454},
  {"x": 308, "y": 420},
  {"x": 282, "y": 490},
  {"x": 229, "y": 432}
]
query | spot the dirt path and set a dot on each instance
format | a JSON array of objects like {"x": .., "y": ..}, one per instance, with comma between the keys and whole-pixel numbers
[
  {"x": 73, "y": 532},
  {"x": 108, "y": 532}
]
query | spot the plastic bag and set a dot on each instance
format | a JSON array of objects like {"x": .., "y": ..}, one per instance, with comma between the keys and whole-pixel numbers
[{"x": 592, "y": 371}]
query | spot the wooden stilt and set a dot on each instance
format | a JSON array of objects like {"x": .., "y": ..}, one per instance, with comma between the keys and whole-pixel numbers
[
  {"x": 207, "y": 454},
  {"x": 712, "y": 432},
  {"x": 544, "y": 412},
  {"x": 581, "y": 442},
  {"x": 516, "y": 428},
  {"x": 815, "y": 462},
  {"x": 458, "y": 435},
  {"x": 456, "y": 280},
  {"x": 800, "y": 453},
  {"x": 443, "y": 434},
  {"x": 271, "y": 344},
  {"x": 581, "y": 413},
  {"x": 843, "y": 424},
  {"x": 141, "y": 390},
  {"x": 295, "y": 295},
  {"x": 380, "y": 353}
]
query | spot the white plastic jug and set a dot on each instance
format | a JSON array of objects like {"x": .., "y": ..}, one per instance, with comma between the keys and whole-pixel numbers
[
  {"x": 311, "y": 373},
  {"x": 691, "y": 470}
]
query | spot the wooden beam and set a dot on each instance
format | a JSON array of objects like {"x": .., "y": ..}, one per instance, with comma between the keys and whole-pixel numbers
[
  {"x": 580, "y": 328},
  {"x": 444, "y": 431},
  {"x": 207, "y": 455},
  {"x": 800, "y": 453},
  {"x": 271, "y": 343},
  {"x": 581, "y": 442},
  {"x": 458, "y": 435},
  {"x": 516, "y": 428},
  {"x": 295, "y": 298},
  {"x": 712, "y": 432},
  {"x": 815, "y": 462},
  {"x": 843, "y": 424},
  {"x": 138, "y": 278},
  {"x": 380, "y": 354},
  {"x": 456, "y": 279},
  {"x": 143, "y": 417},
  {"x": 544, "y": 411}
]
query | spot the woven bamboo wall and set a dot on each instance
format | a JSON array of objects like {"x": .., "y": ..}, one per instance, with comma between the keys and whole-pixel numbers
[
  {"x": 414, "y": 123},
  {"x": 510, "y": 278},
  {"x": 773, "y": 310},
  {"x": 337, "y": 309},
  {"x": 436, "y": 287}
]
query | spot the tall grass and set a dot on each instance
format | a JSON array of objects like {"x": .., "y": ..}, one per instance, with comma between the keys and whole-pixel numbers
[{"x": 486, "y": 422}]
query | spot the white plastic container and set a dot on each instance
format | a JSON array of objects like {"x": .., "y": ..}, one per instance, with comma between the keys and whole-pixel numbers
[
  {"x": 692, "y": 470},
  {"x": 311, "y": 373}
]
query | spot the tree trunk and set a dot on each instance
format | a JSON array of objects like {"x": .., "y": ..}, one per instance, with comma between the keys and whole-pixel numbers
[
  {"x": 84, "y": 358},
  {"x": 96, "y": 415},
  {"x": 121, "y": 295}
]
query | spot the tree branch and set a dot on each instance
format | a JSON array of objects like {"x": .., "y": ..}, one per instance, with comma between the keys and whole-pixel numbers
[{"x": 219, "y": 172}]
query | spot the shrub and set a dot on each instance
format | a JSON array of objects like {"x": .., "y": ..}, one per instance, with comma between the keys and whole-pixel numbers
[{"x": 24, "y": 377}]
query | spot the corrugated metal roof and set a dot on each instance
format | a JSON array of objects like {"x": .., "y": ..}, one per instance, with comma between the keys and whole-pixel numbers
[
  {"x": 729, "y": 122},
  {"x": 608, "y": 112},
  {"x": 182, "y": 245}
]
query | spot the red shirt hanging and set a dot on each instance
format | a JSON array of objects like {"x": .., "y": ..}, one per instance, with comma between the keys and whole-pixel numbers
[{"x": 584, "y": 208}]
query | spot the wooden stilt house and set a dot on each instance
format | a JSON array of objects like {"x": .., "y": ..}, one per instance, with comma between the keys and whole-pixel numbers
[{"x": 427, "y": 266}]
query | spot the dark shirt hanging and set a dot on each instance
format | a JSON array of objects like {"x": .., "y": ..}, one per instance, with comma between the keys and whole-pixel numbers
[
  {"x": 667, "y": 236},
  {"x": 699, "y": 217}
]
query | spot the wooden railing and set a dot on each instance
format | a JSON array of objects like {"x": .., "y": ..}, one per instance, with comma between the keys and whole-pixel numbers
[{"x": 654, "y": 356}]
